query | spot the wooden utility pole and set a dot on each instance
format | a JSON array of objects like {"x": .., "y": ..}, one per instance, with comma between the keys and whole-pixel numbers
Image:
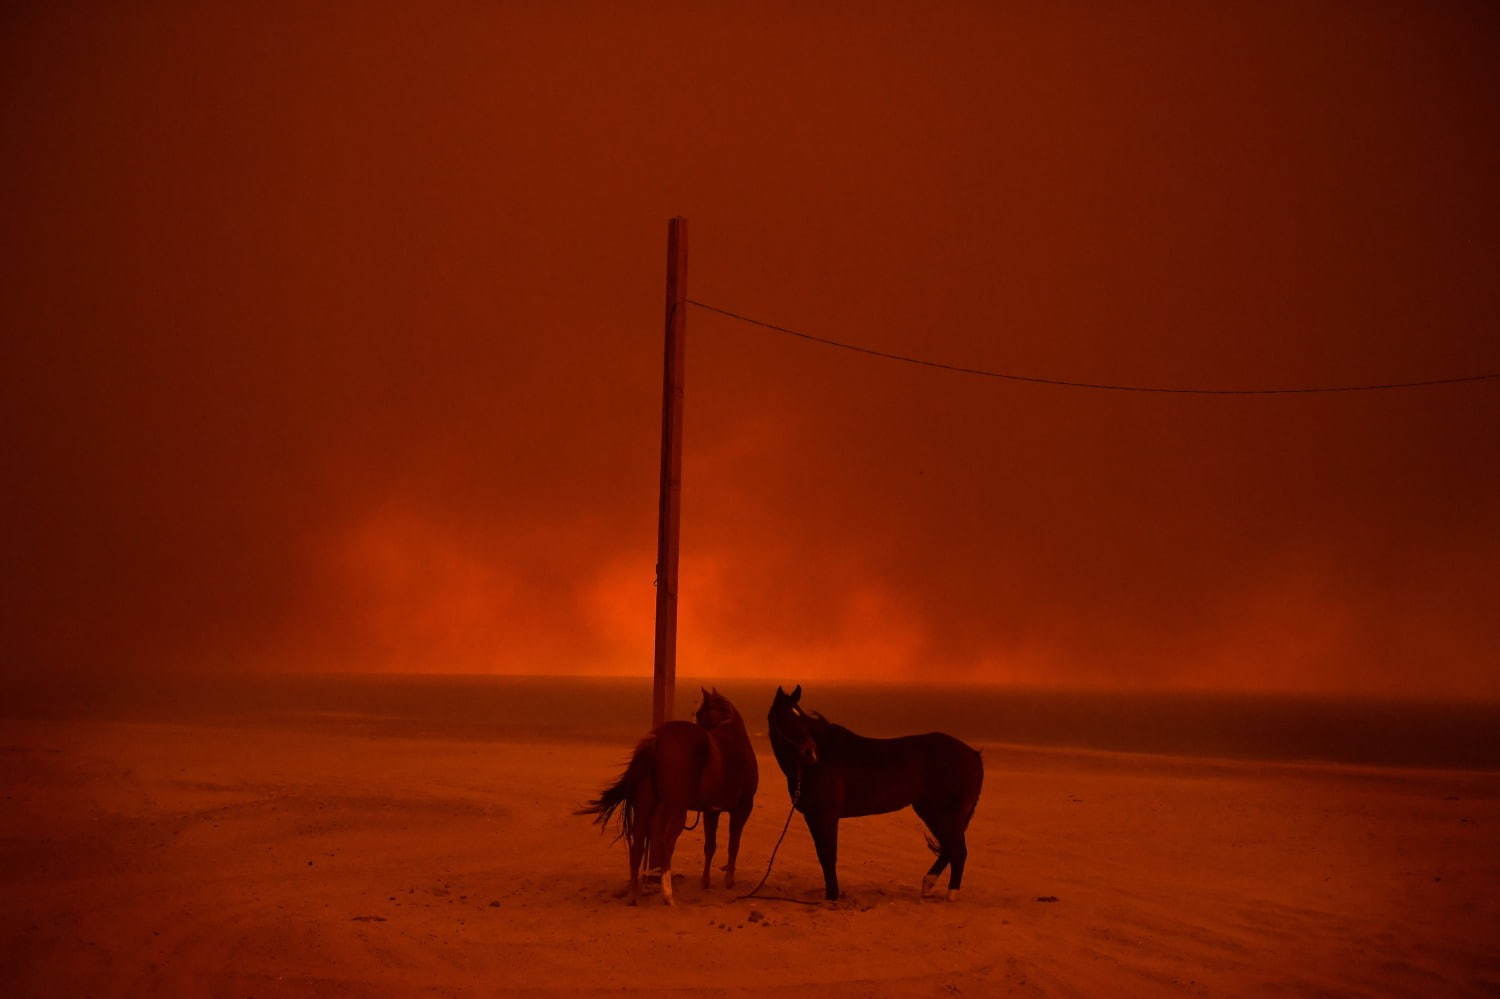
[{"x": 664, "y": 686}]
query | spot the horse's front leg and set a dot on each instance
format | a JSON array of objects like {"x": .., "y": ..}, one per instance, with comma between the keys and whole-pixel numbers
[
  {"x": 824, "y": 827},
  {"x": 737, "y": 820},
  {"x": 710, "y": 843}
]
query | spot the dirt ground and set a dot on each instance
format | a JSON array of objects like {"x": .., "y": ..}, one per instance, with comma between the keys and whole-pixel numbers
[{"x": 185, "y": 859}]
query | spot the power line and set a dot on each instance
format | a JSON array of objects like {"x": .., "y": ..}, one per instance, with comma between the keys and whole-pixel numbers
[{"x": 1303, "y": 390}]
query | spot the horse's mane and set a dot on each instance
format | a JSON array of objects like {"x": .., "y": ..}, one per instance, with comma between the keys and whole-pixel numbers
[
  {"x": 717, "y": 699},
  {"x": 824, "y": 730}
]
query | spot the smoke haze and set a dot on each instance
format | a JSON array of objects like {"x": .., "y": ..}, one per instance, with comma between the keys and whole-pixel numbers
[{"x": 334, "y": 343}]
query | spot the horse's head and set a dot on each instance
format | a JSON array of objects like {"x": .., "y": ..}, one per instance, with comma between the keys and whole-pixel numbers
[
  {"x": 715, "y": 709},
  {"x": 791, "y": 727}
]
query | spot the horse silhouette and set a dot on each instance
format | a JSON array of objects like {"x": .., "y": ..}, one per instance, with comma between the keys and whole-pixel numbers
[
  {"x": 832, "y": 773},
  {"x": 706, "y": 766}
]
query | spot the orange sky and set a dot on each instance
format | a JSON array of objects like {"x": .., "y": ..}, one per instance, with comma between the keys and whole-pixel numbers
[{"x": 333, "y": 342}]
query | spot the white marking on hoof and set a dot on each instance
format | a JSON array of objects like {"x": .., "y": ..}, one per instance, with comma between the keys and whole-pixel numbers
[
  {"x": 951, "y": 895},
  {"x": 928, "y": 881},
  {"x": 666, "y": 886}
]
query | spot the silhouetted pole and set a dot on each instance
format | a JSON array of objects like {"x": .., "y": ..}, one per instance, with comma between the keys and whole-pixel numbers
[{"x": 664, "y": 686}]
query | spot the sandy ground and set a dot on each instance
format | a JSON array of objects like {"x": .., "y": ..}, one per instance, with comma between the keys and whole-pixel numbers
[{"x": 192, "y": 860}]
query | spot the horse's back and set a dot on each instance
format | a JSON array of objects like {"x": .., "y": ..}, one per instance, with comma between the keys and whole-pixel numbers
[
  {"x": 680, "y": 743},
  {"x": 954, "y": 765},
  {"x": 870, "y": 776},
  {"x": 701, "y": 771},
  {"x": 929, "y": 749},
  {"x": 933, "y": 772},
  {"x": 949, "y": 748}
]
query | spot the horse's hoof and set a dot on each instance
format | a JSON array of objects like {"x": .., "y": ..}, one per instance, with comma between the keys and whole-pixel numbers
[
  {"x": 951, "y": 895},
  {"x": 729, "y": 881},
  {"x": 928, "y": 883}
]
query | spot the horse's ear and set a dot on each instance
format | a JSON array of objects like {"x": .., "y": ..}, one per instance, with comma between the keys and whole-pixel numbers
[
  {"x": 705, "y": 692},
  {"x": 780, "y": 694},
  {"x": 716, "y": 691},
  {"x": 797, "y": 694}
]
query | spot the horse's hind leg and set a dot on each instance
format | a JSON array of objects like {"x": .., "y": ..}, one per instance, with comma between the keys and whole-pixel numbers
[
  {"x": 954, "y": 850},
  {"x": 639, "y": 839},
  {"x": 666, "y": 826},
  {"x": 637, "y": 843},
  {"x": 957, "y": 844},
  {"x": 929, "y": 880},
  {"x": 958, "y": 852},
  {"x": 944, "y": 832},
  {"x": 710, "y": 843}
]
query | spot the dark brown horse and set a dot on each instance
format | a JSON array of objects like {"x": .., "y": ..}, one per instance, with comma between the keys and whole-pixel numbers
[
  {"x": 834, "y": 774},
  {"x": 705, "y": 766}
]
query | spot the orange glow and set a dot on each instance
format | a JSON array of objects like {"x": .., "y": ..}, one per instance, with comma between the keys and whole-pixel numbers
[
  {"x": 331, "y": 345},
  {"x": 335, "y": 344}
]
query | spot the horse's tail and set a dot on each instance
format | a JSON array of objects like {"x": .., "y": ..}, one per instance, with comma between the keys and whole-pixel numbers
[{"x": 621, "y": 795}]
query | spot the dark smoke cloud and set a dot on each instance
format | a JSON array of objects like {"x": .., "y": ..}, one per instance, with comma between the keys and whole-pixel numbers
[{"x": 333, "y": 342}]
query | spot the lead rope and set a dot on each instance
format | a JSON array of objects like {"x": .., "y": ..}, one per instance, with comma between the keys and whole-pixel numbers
[{"x": 752, "y": 893}]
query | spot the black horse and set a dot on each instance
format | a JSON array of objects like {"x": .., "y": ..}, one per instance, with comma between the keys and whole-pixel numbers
[{"x": 833, "y": 773}]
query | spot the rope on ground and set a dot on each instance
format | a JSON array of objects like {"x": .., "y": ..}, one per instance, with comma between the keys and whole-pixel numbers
[{"x": 754, "y": 892}]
